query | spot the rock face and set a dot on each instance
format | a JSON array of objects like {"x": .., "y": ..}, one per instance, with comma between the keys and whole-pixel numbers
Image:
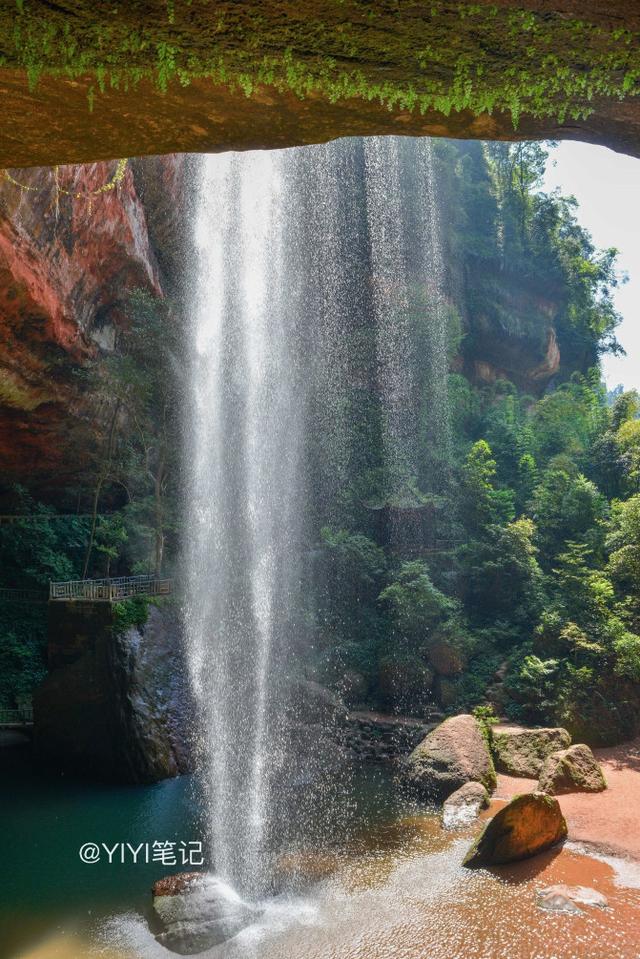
[
  {"x": 453, "y": 754},
  {"x": 120, "y": 709},
  {"x": 527, "y": 825},
  {"x": 572, "y": 770},
  {"x": 66, "y": 264},
  {"x": 519, "y": 751},
  {"x": 197, "y": 912},
  {"x": 464, "y": 805}
]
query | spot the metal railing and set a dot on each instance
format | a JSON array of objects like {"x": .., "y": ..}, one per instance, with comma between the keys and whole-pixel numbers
[
  {"x": 23, "y": 716},
  {"x": 8, "y": 518},
  {"x": 108, "y": 590},
  {"x": 22, "y": 595}
]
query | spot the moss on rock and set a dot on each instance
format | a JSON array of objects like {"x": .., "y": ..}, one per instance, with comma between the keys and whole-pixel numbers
[
  {"x": 528, "y": 825},
  {"x": 572, "y": 770},
  {"x": 519, "y": 751},
  {"x": 444, "y": 57}
]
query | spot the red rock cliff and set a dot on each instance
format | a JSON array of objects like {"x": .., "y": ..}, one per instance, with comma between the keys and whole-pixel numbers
[{"x": 71, "y": 246}]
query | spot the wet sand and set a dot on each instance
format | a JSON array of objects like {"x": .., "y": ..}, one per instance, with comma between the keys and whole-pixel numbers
[{"x": 608, "y": 820}]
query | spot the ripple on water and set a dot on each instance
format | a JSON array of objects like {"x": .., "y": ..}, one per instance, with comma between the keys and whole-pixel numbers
[{"x": 407, "y": 897}]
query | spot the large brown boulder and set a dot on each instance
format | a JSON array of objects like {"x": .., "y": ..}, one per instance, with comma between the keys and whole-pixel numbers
[
  {"x": 572, "y": 770},
  {"x": 527, "y": 825},
  {"x": 519, "y": 751},
  {"x": 452, "y": 754}
]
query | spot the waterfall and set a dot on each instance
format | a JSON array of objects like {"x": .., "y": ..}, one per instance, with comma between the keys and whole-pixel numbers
[
  {"x": 244, "y": 509},
  {"x": 301, "y": 254}
]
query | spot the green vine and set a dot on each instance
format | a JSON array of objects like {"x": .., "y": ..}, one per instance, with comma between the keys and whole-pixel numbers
[{"x": 456, "y": 57}]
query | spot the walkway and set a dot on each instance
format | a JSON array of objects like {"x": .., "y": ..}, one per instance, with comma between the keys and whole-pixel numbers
[{"x": 108, "y": 590}]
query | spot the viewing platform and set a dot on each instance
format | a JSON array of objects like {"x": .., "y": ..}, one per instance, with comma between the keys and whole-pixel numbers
[{"x": 108, "y": 590}]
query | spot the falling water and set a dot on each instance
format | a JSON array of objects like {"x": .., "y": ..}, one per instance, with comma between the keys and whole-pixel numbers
[
  {"x": 300, "y": 253},
  {"x": 243, "y": 501}
]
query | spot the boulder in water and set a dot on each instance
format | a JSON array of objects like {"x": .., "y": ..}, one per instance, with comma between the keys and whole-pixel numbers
[
  {"x": 572, "y": 770},
  {"x": 464, "y": 805},
  {"x": 452, "y": 754},
  {"x": 198, "y": 911},
  {"x": 526, "y": 826},
  {"x": 562, "y": 898},
  {"x": 519, "y": 751}
]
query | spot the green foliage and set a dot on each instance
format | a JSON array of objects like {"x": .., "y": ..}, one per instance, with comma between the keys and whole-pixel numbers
[
  {"x": 486, "y": 717},
  {"x": 509, "y": 531},
  {"x": 568, "y": 420},
  {"x": 436, "y": 61},
  {"x": 541, "y": 490},
  {"x": 33, "y": 551},
  {"x": 482, "y": 505},
  {"x": 343, "y": 614},
  {"x": 139, "y": 384},
  {"x": 623, "y": 543},
  {"x": 532, "y": 685},
  {"x": 23, "y": 644},
  {"x": 584, "y": 594},
  {"x": 416, "y": 606},
  {"x": 41, "y": 547},
  {"x": 352, "y": 562},
  {"x": 626, "y": 409},
  {"x": 501, "y": 576},
  {"x": 129, "y": 613},
  {"x": 627, "y": 653},
  {"x": 567, "y": 506}
]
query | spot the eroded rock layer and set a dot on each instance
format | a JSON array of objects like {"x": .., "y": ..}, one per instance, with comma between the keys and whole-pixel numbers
[{"x": 73, "y": 243}]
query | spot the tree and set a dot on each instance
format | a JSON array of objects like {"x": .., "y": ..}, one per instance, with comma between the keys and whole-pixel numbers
[
  {"x": 567, "y": 506},
  {"x": 416, "y": 605},
  {"x": 481, "y": 504},
  {"x": 623, "y": 543},
  {"x": 584, "y": 594},
  {"x": 139, "y": 384},
  {"x": 500, "y": 575},
  {"x": 626, "y": 408}
]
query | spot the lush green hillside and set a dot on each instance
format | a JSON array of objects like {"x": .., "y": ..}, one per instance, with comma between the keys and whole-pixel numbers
[{"x": 532, "y": 604}]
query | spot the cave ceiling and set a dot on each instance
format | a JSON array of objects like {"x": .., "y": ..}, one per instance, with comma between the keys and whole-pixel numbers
[{"x": 82, "y": 81}]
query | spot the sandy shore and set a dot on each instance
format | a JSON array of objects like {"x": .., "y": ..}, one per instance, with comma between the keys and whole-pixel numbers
[{"x": 608, "y": 819}]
